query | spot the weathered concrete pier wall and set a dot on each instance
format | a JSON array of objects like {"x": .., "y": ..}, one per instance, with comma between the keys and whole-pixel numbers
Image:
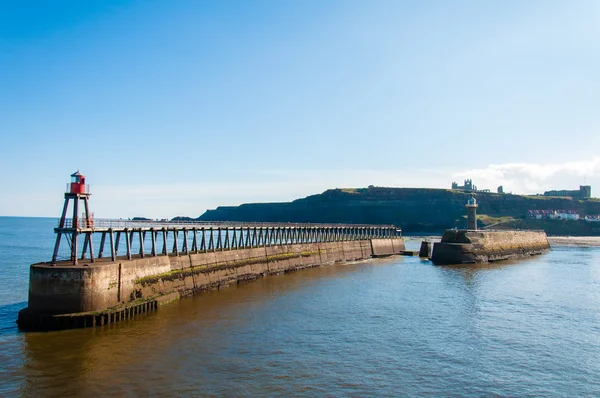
[
  {"x": 387, "y": 247},
  {"x": 89, "y": 294},
  {"x": 467, "y": 246}
]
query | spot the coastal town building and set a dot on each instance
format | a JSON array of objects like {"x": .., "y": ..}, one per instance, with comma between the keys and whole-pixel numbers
[
  {"x": 553, "y": 215},
  {"x": 584, "y": 192}
]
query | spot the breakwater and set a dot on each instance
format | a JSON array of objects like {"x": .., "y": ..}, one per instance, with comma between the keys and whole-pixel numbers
[
  {"x": 471, "y": 246},
  {"x": 86, "y": 294}
]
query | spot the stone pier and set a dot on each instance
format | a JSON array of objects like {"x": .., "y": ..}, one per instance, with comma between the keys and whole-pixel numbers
[{"x": 88, "y": 294}]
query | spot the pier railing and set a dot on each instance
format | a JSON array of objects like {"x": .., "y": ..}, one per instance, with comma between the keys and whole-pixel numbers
[
  {"x": 82, "y": 223},
  {"x": 154, "y": 238}
]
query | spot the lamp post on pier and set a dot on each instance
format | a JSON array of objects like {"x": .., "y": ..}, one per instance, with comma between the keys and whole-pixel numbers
[{"x": 471, "y": 214}]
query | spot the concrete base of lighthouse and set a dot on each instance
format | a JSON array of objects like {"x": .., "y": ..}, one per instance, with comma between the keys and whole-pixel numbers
[{"x": 468, "y": 246}]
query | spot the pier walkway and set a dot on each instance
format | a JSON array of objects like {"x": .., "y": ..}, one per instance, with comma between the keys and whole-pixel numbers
[{"x": 154, "y": 238}]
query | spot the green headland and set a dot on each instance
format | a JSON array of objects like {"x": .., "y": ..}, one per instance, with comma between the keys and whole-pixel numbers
[{"x": 418, "y": 210}]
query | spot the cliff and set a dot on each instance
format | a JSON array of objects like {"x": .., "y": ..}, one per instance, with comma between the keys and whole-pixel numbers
[{"x": 413, "y": 209}]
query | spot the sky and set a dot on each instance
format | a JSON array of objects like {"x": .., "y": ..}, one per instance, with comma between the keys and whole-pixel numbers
[{"x": 173, "y": 107}]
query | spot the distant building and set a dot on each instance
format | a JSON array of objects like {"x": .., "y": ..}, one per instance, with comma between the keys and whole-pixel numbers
[
  {"x": 468, "y": 187},
  {"x": 567, "y": 215},
  {"x": 541, "y": 214},
  {"x": 500, "y": 189},
  {"x": 584, "y": 192},
  {"x": 552, "y": 215}
]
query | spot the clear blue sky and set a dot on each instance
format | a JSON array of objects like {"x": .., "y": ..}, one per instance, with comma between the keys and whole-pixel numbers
[{"x": 172, "y": 107}]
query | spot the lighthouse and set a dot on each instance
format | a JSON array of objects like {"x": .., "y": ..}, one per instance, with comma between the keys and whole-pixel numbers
[
  {"x": 77, "y": 191},
  {"x": 471, "y": 214}
]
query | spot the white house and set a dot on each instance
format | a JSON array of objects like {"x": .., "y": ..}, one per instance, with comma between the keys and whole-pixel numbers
[{"x": 567, "y": 215}]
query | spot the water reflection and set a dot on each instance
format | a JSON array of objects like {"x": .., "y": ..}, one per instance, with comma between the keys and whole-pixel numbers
[
  {"x": 86, "y": 360},
  {"x": 383, "y": 327},
  {"x": 8, "y": 315}
]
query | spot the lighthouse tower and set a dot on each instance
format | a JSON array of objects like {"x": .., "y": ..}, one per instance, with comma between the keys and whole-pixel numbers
[
  {"x": 471, "y": 214},
  {"x": 77, "y": 191}
]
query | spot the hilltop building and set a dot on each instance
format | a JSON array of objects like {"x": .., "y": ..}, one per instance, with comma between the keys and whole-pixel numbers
[
  {"x": 500, "y": 189},
  {"x": 468, "y": 187},
  {"x": 584, "y": 192}
]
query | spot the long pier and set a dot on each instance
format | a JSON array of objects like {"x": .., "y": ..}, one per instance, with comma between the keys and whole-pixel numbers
[
  {"x": 154, "y": 238},
  {"x": 139, "y": 264}
]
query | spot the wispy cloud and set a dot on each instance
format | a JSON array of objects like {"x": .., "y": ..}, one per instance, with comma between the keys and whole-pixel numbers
[{"x": 534, "y": 177}]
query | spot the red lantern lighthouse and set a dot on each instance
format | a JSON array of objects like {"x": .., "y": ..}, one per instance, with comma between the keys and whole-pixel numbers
[
  {"x": 77, "y": 191},
  {"x": 77, "y": 183}
]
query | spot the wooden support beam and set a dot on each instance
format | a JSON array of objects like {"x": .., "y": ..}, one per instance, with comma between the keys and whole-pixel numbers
[
  {"x": 165, "y": 236},
  {"x": 153, "y": 233},
  {"x": 234, "y": 244},
  {"x": 117, "y": 243},
  {"x": 219, "y": 245},
  {"x": 175, "y": 242},
  {"x": 74, "y": 240},
  {"x": 102, "y": 241},
  {"x": 226, "y": 241},
  {"x": 195, "y": 241},
  {"x": 91, "y": 245},
  {"x": 141, "y": 237},
  {"x": 113, "y": 252},
  {"x": 184, "y": 246},
  {"x": 128, "y": 243},
  {"x": 56, "y": 246}
]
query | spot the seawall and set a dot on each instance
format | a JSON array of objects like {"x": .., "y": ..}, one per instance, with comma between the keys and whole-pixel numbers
[
  {"x": 90, "y": 294},
  {"x": 466, "y": 246}
]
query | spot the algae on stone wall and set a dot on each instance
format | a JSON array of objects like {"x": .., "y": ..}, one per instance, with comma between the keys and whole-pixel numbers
[{"x": 182, "y": 273}]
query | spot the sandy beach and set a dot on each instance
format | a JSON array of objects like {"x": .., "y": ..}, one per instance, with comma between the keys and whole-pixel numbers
[
  {"x": 580, "y": 241},
  {"x": 574, "y": 240}
]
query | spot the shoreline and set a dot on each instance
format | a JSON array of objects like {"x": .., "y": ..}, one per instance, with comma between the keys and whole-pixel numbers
[{"x": 574, "y": 241}]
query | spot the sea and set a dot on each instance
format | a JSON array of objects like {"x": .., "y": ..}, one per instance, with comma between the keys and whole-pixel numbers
[{"x": 387, "y": 327}]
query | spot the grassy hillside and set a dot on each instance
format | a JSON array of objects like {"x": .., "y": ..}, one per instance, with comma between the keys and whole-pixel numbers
[{"x": 413, "y": 209}]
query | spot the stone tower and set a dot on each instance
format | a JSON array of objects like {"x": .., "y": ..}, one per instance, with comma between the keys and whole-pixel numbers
[
  {"x": 472, "y": 214},
  {"x": 585, "y": 191}
]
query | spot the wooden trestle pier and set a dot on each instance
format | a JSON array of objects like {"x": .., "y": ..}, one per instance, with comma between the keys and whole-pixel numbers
[
  {"x": 154, "y": 238},
  {"x": 206, "y": 236}
]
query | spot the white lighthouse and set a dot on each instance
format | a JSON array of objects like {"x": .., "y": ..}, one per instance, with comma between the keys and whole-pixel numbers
[{"x": 471, "y": 214}]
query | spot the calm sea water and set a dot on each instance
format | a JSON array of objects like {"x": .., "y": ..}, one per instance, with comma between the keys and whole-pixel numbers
[{"x": 387, "y": 327}]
